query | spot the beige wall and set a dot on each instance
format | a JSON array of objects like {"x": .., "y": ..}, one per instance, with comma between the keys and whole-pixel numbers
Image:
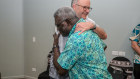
[
  {"x": 116, "y": 17},
  {"x": 39, "y": 23},
  {"x": 11, "y": 38}
]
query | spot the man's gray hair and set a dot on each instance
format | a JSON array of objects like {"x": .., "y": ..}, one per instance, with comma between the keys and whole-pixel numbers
[
  {"x": 65, "y": 13},
  {"x": 73, "y": 2}
]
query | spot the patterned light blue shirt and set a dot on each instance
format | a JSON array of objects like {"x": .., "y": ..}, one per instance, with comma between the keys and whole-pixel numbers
[
  {"x": 135, "y": 36},
  {"x": 84, "y": 56}
]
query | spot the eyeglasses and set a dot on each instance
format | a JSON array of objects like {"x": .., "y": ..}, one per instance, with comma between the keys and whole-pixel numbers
[{"x": 85, "y": 7}]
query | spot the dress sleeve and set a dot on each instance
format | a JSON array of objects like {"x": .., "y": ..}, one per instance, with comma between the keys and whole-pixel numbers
[
  {"x": 135, "y": 34},
  {"x": 72, "y": 52}
]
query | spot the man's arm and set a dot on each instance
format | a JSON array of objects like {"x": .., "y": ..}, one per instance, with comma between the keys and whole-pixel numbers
[
  {"x": 72, "y": 52},
  {"x": 83, "y": 26},
  {"x": 135, "y": 47},
  {"x": 56, "y": 51},
  {"x": 100, "y": 32}
]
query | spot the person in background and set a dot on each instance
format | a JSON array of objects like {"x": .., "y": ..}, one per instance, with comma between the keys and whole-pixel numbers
[
  {"x": 83, "y": 56},
  {"x": 82, "y": 9},
  {"x": 135, "y": 44}
]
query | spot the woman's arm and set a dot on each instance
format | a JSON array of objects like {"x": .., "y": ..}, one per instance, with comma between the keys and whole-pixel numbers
[{"x": 135, "y": 47}]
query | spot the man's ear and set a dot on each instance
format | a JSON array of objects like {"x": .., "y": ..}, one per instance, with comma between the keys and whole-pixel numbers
[{"x": 73, "y": 6}]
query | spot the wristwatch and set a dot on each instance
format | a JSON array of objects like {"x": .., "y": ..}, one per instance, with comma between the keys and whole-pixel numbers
[
  {"x": 94, "y": 27},
  {"x": 54, "y": 46}
]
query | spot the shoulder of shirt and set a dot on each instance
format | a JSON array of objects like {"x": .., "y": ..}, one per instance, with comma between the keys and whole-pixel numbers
[
  {"x": 76, "y": 36},
  {"x": 89, "y": 20},
  {"x": 138, "y": 25}
]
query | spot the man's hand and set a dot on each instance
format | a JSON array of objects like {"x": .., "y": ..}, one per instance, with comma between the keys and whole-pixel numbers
[{"x": 83, "y": 26}]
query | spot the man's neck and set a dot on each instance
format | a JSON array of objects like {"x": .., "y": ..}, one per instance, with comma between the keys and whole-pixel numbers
[{"x": 75, "y": 21}]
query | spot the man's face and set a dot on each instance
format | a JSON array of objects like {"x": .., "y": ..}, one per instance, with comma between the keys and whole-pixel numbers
[
  {"x": 82, "y": 8},
  {"x": 63, "y": 26}
]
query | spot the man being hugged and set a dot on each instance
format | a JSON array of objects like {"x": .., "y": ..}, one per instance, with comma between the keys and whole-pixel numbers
[{"x": 83, "y": 56}]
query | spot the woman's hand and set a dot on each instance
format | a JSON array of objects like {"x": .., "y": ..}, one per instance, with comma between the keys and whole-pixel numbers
[{"x": 56, "y": 38}]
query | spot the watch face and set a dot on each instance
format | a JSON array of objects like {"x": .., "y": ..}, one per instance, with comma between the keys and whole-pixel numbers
[{"x": 94, "y": 27}]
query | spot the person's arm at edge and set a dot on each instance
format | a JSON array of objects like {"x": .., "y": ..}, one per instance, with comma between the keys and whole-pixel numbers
[
  {"x": 100, "y": 32},
  {"x": 135, "y": 47},
  {"x": 56, "y": 55}
]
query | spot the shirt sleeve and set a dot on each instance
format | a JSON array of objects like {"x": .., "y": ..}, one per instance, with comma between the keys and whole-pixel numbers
[
  {"x": 72, "y": 52},
  {"x": 135, "y": 34},
  {"x": 90, "y": 20}
]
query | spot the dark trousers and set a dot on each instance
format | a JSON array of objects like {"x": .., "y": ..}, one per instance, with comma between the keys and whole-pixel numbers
[{"x": 137, "y": 71}]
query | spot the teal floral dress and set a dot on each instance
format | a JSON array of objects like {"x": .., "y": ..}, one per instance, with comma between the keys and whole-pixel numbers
[{"x": 84, "y": 56}]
